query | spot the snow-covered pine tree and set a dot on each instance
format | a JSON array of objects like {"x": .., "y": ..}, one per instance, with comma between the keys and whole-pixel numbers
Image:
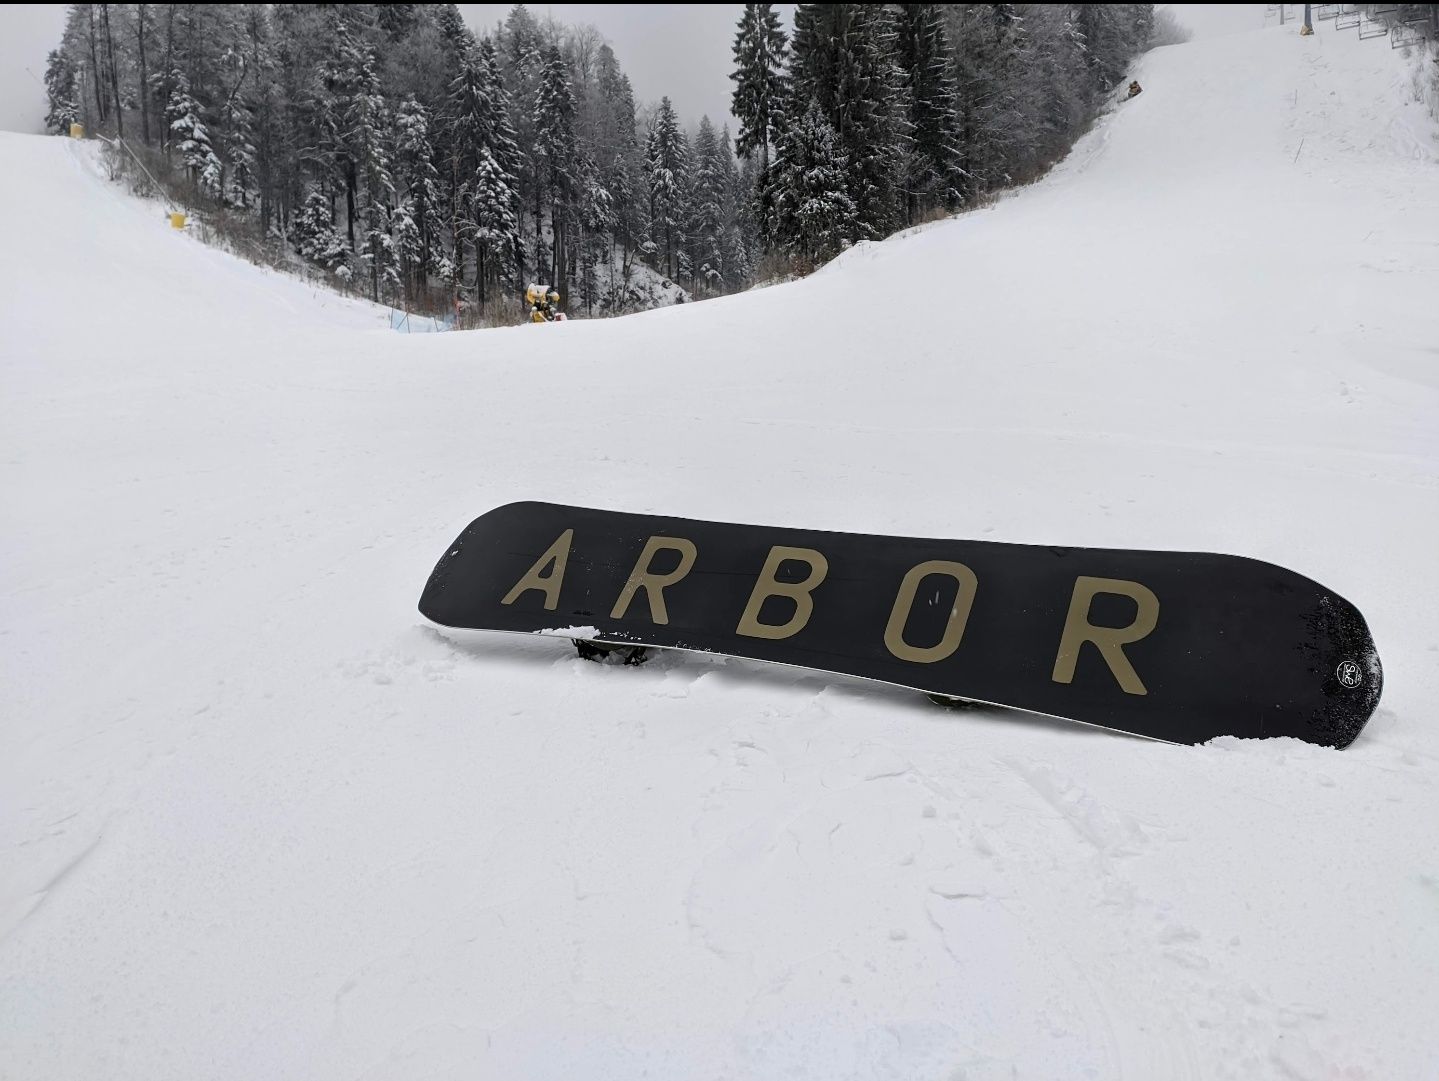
[
  {"x": 814, "y": 215},
  {"x": 555, "y": 150},
  {"x": 666, "y": 172},
  {"x": 417, "y": 177},
  {"x": 520, "y": 47},
  {"x": 1061, "y": 98},
  {"x": 814, "y": 57},
  {"x": 291, "y": 149},
  {"x": 197, "y": 38},
  {"x": 842, "y": 58},
  {"x": 160, "y": 87},
  {"x": 452, "y": 30},
  {"x": 616, "y": 145},
  {"x": 1141, "y": 27},
  {"x": 498, "y": 212},
  {"x": 760, "y": 53},
  {"x": 63, "y": 110},
  {"x": 735, "y": 197},
  {"x": 397, "y": 20},
  {"x": 761, "y": 101},
  {"x": 271, "y": 165},
  {"x": 454, "y": 43},
  {"x": 931, "y": 176},
  {"x": 468, "y": 115},
  {"x": 485, "y": 154},
  {"x": 331, "y": 106},
  {"x": 84, "y": 45},
  {"x": 747, "y": 211},
  {"x": 235, "y": 126},
  {"x": 594, "y": 214},
  {"x": 190, "y": 137},
  {"x": 496, "y": 226},
  {"x": 874, "y": 123},
  {"x": 111, "y": 67},
  {"x": 707, "y": 210},
  {"x": 1113, "y": 34},
  {"x": 141, "y": 24},
  {"x": 408, "y": 247},
  {"x": 987, "y": 44},
  {"x": 78, "y": 45},
  {"x": 315, "y": 236},
  {"x": 366, "y": 137}
]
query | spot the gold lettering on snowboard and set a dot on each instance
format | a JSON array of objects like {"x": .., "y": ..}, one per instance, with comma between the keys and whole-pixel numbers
[
  {"x": 654, "y": 584},
  {"x": 1110, "y": 641},
  {"x": 555, "y": 558},
  {"x": 767, "y": 586},
  {"x": 958, "y": 614}
]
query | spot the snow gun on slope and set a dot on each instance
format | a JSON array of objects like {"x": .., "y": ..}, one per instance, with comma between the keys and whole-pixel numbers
[{"x": 544, "y": 304}]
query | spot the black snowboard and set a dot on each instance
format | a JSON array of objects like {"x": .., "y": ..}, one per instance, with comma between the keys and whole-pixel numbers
[{"x": 1178, "y": 646}]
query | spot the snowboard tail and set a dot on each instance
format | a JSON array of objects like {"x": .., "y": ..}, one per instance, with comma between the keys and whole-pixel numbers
[{"x": 1177, "y": 646}]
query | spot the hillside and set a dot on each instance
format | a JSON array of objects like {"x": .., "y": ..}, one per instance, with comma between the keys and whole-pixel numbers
[{"x": 261, "y": 821}]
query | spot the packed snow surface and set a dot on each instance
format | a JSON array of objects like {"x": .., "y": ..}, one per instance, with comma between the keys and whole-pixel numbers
[{"x": 258, "y": 820}]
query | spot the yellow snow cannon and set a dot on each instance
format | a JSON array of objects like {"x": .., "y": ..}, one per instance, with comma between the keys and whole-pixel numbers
[{"x": 543, "y": 302}]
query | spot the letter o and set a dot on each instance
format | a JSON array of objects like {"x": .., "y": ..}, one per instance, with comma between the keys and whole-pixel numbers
[{"x": 958, "y": 615}]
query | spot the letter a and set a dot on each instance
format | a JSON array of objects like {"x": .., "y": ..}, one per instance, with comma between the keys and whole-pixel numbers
[
  {"x": 767, "y": 586},
  {"x": 1109, "y": 640},
  {"x": 557, "y": 554}
]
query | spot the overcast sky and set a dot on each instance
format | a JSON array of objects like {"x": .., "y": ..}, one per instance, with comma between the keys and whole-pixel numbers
[
  {"x": 1219, "y": 20},
  {"x": 27, "y": 33},
  {"x": 682, "y": 50}
]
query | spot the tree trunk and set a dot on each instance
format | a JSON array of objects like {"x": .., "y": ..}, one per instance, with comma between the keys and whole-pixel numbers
[
  {"x": 425, "y": 213},
  {"x": 144, "y": 75},
  {"x": 165, "y": 80},
  {"x": 480, "y": 275},
  {"x": 454, "y": 211},
  {"x": 350, "y": 201},
  {"x": 557, "y": 233},
  {"x": 587, "y": 269},
  {"x": 539, "y": 212},
  {"x": 114, "y": 70},
  {"x": 97, "y": 76}
]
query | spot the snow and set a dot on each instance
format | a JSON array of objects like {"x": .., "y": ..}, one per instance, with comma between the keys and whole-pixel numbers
[{"x": 259, "y": 820}]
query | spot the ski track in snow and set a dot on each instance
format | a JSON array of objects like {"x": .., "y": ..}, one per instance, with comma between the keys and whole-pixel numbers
[{"x": 258, "y": 820}]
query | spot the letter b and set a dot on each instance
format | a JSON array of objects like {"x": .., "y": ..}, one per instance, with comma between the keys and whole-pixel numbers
[{"x": 768, "y": 586}]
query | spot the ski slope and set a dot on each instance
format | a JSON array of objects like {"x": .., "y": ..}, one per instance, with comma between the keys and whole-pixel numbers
[{"x": 257, "y": 820}]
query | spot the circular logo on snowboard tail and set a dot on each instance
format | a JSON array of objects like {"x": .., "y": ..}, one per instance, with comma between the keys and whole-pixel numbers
[{"x": 1349, "y": 673}]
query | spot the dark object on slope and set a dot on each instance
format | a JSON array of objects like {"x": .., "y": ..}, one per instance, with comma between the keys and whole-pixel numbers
[
  {"x": 1134, "y": 90},
  {"x": 544, "y": 304},
  {"x": 1177, "y": 646}
]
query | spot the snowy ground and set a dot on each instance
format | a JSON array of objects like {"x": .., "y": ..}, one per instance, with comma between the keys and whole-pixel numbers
[{"x": 258, "y": 821}]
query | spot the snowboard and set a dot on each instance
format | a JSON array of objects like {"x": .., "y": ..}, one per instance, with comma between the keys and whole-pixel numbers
[{"x": 1176, "y": 646}]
